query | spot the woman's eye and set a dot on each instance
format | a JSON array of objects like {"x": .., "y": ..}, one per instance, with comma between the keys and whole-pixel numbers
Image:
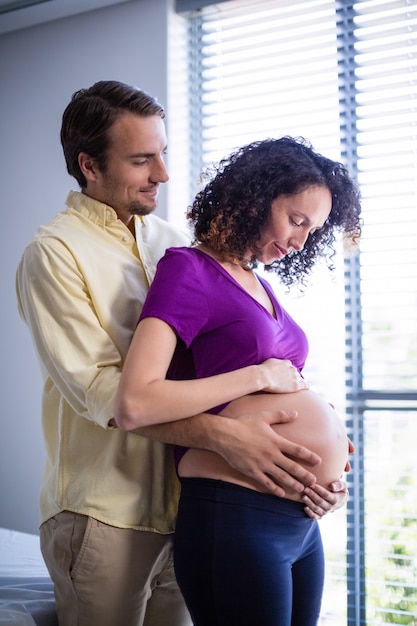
[{"x": 295, "y": 223}]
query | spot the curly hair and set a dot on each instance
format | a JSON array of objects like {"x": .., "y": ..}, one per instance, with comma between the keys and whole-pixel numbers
[
  {"x": 91, "y": 113},
  {"x": 228, "y": 214}
]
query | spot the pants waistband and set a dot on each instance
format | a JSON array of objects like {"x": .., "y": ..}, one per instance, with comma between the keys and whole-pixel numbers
[{"x": 223, "y": 491}]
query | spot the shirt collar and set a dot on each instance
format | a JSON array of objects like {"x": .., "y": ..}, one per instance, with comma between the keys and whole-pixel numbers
[{"x": 95, "y": 211}]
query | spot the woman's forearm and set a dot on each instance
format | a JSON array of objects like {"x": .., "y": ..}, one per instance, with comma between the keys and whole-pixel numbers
[
  {"x": 145, "y": 396},
  {"x": 162, "y": 400}
]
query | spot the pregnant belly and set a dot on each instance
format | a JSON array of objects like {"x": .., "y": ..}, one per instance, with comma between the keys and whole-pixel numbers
[{"x": 317, "y": 427}]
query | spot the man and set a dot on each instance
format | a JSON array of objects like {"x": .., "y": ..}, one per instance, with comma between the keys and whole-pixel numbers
[{"x": 109, "y": 498}]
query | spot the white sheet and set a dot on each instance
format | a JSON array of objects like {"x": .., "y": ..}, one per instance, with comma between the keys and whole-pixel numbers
[
  {"x": 26, "y": 591},
  {"x": 20, "y": 555}
]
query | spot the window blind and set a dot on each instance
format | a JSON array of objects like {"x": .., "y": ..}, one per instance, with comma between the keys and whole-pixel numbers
[
  {"x": 386, "y": 104},
  {"x": 265, "y": 69},
  {"x": 342, "y": 74},
  {"x": 381, "y": 70}
]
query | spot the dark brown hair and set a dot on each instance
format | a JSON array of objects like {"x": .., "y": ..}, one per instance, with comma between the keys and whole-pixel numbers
[
  {"x": 90, "y": 114},
  {"x": 228, "y": 214}
]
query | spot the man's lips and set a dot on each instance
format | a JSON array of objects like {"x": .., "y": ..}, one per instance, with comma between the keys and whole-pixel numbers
[{"x": 150, "y": 193}]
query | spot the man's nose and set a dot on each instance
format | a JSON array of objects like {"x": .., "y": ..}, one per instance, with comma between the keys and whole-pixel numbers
[{"x": 159, "y": 172}]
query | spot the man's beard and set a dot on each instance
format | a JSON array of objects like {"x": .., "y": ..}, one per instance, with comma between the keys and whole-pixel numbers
[{"x": 138, "y": 208}]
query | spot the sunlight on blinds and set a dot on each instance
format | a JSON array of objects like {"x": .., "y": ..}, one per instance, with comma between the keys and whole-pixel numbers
[
  {"x": 386, "y": 59},
  {"x": 268, "y": 69}
]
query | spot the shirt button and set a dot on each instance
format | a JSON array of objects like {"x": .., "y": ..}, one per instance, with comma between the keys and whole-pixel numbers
[{"x": 125, "y": 238}]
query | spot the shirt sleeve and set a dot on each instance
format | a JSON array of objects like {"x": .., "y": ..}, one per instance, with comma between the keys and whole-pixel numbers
[
  {"x": 178, "y": 294},
  {"x": 75, "y": 351}
]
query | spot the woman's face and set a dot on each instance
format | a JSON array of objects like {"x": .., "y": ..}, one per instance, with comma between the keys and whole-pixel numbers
[{"x": 291, "y": 220}]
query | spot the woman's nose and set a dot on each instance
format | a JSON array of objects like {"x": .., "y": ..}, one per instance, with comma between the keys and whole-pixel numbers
[{"x": 297, "y": 243}]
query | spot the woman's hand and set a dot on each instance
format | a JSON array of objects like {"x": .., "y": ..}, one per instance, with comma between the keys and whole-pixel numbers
[
  {"x": 281, "y": 377},
  {"x": 351, "y": 450},
  {"x": 319, "y": 500}
]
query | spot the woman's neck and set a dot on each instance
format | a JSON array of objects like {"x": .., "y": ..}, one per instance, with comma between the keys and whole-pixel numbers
[
  {"x": 230, "y": 264},
  {"x": 246, "y": 278}
]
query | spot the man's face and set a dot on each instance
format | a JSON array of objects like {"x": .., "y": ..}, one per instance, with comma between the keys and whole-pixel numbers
[{"x": 135, "y": 167}]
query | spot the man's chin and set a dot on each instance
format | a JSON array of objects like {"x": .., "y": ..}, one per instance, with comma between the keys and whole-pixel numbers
[{"x": 142, "y": 209}]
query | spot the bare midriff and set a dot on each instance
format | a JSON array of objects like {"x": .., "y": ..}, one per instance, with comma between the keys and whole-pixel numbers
[{"x": 317, "y": 427}]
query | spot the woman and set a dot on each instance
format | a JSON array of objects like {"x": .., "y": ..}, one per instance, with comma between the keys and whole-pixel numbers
[{"x": 242, "y": 556}]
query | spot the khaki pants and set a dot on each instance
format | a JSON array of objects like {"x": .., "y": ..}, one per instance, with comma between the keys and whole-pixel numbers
[{"x": 106, "y": 576}]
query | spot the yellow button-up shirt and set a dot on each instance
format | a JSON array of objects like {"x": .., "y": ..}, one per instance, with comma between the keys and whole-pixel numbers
[{"x": 81, "y": 284}]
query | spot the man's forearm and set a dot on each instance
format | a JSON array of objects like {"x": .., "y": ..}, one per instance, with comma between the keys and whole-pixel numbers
[{"x": 205, "y": 431}]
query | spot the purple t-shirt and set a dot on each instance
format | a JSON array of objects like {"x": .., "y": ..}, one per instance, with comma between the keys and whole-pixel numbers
[{"x": 220, "y": 326}]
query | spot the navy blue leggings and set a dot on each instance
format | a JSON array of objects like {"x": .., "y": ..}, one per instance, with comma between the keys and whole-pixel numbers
[{"x": 243, "y": 558}]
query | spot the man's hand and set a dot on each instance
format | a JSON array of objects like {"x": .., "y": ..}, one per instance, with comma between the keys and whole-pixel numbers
[
  {"x": 255, "y": 449},
  {"x": 351, "y": 450},
  {"x": 248, "y": 443}
]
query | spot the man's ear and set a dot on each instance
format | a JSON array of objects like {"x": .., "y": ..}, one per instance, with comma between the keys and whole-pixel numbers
[{"x": 88, "y": 166}]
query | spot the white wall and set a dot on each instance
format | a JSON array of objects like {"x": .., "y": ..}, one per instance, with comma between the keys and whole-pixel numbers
[{"x": 40, "y": 68}]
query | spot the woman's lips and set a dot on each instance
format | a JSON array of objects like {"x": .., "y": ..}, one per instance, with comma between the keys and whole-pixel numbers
[{"x": 281, "y": 251}]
